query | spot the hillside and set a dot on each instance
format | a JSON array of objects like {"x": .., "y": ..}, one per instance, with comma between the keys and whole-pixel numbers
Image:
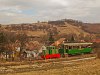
[
  {"x": 39, "y": 29},
  {"x": 61, "y": 29},
  {"x": 71, "y": 29},
  {"x": 92, "y": 28}
]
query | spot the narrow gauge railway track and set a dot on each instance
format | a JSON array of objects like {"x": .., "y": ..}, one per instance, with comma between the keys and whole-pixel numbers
[
  {"x": 48, "y": 60},
  {"x": 71, "y": 57}
]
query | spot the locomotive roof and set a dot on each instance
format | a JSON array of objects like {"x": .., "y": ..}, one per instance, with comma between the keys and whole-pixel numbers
[
  {"x": 50, "y": 46},
  {"x": 77, "y": 44}
]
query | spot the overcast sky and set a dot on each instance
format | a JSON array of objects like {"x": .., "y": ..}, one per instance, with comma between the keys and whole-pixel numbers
[{"x": 28, "y": 11}]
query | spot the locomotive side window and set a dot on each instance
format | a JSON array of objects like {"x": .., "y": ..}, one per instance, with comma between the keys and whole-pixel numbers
[{"x": 75, "y": 47}]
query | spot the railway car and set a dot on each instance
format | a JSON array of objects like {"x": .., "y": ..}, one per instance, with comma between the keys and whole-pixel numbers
[{"x": 75, "y": 48}]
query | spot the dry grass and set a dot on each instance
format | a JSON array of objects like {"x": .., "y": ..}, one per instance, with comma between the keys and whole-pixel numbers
[
  {"x": 36, "y": 33},
  {"x": 89, "y": 67},
  {"x": 92, "y": 28},
  {"x": 70, "y": 29}
]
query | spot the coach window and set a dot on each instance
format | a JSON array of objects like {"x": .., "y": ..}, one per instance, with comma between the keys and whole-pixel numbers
[
  {"x": 70, "y": 47},
  {"x": 80, "y": 47}
]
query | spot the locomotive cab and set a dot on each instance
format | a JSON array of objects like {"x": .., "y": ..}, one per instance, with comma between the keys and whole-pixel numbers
[{"x": 50, "y": 52}]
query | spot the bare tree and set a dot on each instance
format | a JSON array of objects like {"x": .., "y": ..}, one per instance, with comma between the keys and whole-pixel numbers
[{"x": 23, "y": 38}]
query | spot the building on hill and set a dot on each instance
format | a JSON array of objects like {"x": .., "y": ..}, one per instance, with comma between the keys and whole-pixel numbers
[{"x": 96, "y": 40}]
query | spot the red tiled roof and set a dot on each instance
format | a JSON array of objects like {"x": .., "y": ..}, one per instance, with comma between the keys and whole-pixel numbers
[
  {"x": 96, "y": 40},
  {"x": 58, "y": 41}
]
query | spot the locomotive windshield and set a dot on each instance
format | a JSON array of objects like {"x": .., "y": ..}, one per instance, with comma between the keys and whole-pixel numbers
[{"x": 50, "y": 47}]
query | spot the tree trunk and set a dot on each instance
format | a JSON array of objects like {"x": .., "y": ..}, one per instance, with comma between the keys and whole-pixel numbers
[
  {"x": 6, "y": 57},
  {"x": 98, "y": 53}
]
